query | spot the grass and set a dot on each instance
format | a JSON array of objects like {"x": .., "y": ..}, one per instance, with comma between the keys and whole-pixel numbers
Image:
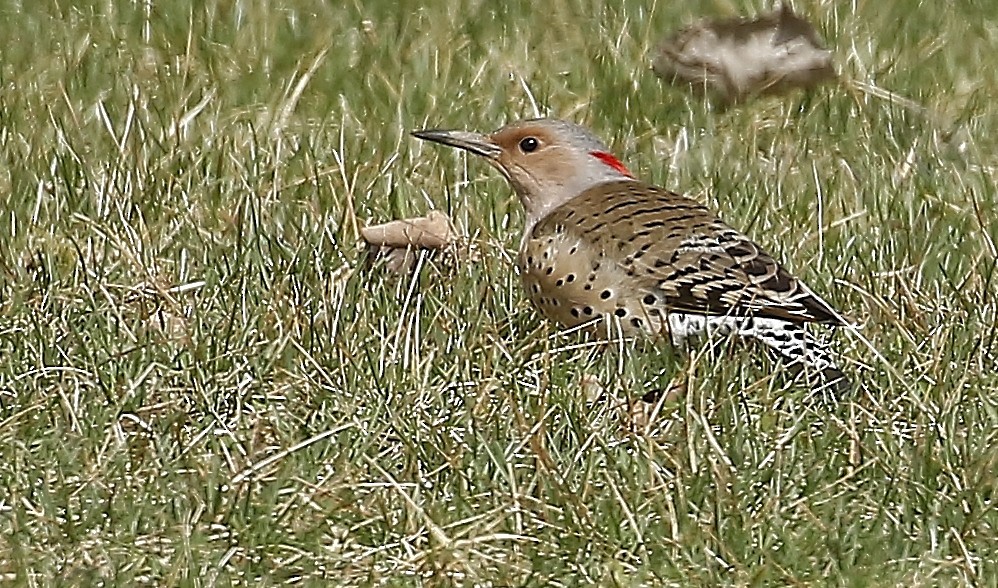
[{"x": 200, "y": 384}]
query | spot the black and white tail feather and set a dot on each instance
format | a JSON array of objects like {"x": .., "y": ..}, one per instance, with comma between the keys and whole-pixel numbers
[{"x": 804, "y": 354}]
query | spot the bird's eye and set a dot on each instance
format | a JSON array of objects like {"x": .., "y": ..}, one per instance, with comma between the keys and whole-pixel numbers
[{"x": 529, "y": 145}]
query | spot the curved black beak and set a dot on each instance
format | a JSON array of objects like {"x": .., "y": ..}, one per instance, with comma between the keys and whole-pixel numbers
[{"x": 476, "y": 143}]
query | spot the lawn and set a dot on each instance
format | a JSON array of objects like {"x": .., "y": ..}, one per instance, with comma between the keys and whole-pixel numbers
[{"x": 202, "y": 383}]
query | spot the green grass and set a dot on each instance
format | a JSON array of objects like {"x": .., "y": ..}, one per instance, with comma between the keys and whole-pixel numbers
[{"x": 200, "y": 384}]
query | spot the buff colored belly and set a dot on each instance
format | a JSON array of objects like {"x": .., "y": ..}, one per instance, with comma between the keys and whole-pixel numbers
[{"x": 573, "y": 285}]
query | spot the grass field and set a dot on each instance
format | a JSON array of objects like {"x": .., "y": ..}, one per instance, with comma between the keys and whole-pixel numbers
[{"x": 201, "y": 384}]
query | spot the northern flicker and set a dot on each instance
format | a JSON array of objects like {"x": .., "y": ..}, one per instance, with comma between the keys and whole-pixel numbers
[{"x": 603, "y": 249}]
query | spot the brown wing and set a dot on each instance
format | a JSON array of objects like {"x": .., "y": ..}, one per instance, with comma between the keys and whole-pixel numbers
[{"x": 684, "y": 254}]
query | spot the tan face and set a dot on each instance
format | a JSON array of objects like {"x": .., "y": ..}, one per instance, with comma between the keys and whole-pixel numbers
[{"x": 535, "y": 162}]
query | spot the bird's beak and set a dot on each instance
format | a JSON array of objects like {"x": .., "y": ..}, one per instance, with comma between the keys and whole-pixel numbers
[{"x": 476, "y": 143}]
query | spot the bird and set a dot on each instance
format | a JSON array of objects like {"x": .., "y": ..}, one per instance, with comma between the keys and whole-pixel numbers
[{"x": 604, "y": 251}]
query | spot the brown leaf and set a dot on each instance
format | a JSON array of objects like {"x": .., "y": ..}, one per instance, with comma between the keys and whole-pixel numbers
[
  {"x": 432, "y": 231},
  {"x": 400, "y": 241},
  {"x": 738, "y": 58}
]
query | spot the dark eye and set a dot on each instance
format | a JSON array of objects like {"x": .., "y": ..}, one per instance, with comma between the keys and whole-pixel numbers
[{"x": 529, "y": 145}]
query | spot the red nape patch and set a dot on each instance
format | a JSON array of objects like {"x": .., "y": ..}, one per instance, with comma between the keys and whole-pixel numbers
[{"x": 612, "y": 161}]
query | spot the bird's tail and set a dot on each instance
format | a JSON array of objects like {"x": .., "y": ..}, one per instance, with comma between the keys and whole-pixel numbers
[{"x": 803, "y": 354}]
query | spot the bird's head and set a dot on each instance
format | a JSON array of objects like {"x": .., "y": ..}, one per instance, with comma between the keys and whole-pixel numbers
[{"x": 548, "y": 161}]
